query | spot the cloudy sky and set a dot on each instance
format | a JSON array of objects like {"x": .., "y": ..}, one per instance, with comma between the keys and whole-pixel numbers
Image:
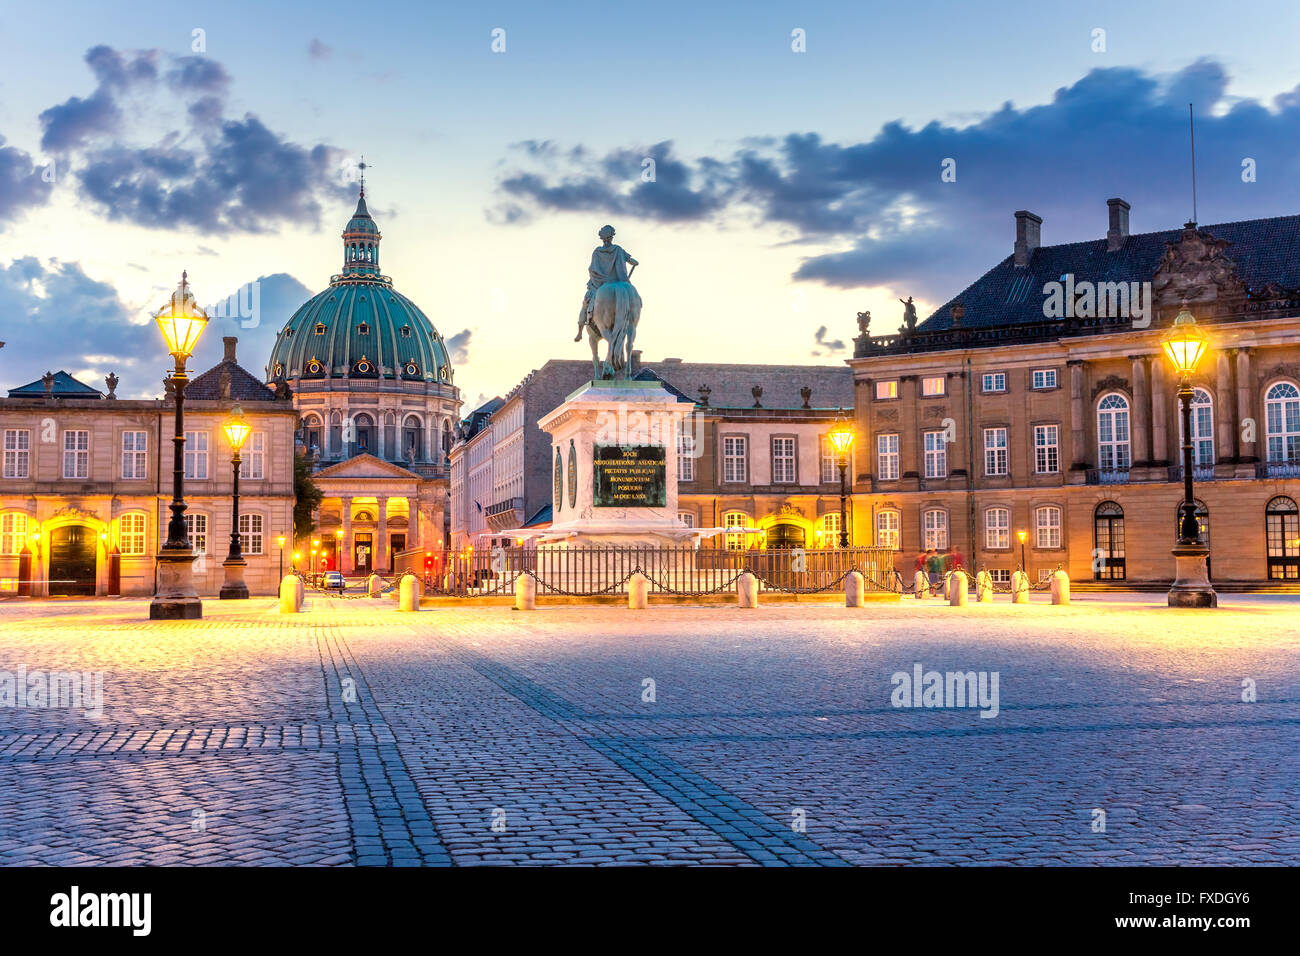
[{"x": 790, "y": 189}]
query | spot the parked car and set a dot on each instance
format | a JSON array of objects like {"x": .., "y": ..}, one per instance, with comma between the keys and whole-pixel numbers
[{"x": 333, "y": 579}]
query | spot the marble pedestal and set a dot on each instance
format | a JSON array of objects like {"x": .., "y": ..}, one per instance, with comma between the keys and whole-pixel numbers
[
  {"x": 176, "y": 598},
  {"x": 1191, "y": 587}
]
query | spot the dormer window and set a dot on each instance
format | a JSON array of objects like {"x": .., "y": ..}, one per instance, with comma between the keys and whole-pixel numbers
[
  {"x": 363, "y": 329},
  {"x": 412, "y": 368},
  {"x": 406, "y": 331},
  {"x": 320, "y": 328}
]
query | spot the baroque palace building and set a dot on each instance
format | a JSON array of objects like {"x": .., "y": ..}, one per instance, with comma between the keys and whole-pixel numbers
[
  {"x": 87, "y": 479},
  {"x": 990, "y": 417},
  {"x": 371, "y": 379},
  {"x": 752, "y": 455}
]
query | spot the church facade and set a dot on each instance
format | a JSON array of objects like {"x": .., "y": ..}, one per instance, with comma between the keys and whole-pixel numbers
[{"x": 371, "y": 379}]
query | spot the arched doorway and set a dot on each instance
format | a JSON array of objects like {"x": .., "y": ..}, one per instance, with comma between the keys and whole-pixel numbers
[
  {"x": 1282, "y": 537},
  {"x": 1108, "y": 540},
  {"x": 785, "y": 536},
  {"x": 74, "y": 553}
]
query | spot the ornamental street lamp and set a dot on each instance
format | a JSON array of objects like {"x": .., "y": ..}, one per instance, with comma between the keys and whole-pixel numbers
[
  {"x": 841, "y": 439},
  {"x": 181, "y": 322},
  {"x": 279, "y": 542},
  {"x": 1022, "y": 535},
  {"x": 315, "y": 549},
  {"x": 237, "y": 431},
  {"x": 338, "y": 549},
  {"x": 1185, "y": 346}
]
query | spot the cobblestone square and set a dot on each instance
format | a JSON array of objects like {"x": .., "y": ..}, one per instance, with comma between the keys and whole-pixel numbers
[{"x": 352, "y": 734}]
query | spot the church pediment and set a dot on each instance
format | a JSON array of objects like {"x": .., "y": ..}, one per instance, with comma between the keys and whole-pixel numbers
[
  {"x": 1196, "y": 268},
  {"x": 366, "y": 466}
]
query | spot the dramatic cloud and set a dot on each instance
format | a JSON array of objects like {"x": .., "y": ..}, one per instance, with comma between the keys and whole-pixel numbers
[
  {"x": 824, "y": 347},
  {"x": 69, "y": 321},
  {"x": 254, "y": 313},
  {"x": 23, "y": 185},
  {"x": 458, "y": 347},
  {"x": 223, "y": 175},
  {"x": 900, "y": 223}
]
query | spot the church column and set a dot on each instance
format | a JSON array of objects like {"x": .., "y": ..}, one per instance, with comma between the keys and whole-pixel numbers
[
  {"x": 413, "y": 519},
  {"x": 380, "y": 562},
  {"x": 345, "y": 547},
  {"x": 1077, "y": 449},
  {"x": 1140, "y": 433},
  {"x": 1223, "y": 409},
  {"x": 1159, "y": 414},
  {"x": 1246, "y": 407}
]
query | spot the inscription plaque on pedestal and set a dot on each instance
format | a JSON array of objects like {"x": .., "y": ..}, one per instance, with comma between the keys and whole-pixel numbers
[{"x": 630, "y": 476}]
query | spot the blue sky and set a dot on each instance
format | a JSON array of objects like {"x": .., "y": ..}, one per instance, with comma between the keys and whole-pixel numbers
[{"x": 792, "y": 189}]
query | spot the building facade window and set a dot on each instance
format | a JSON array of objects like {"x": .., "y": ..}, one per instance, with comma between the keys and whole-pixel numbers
[
  {"x": 196, "y": 527},
  {"x": 685, "y": 453},
  {"x": 131, "y": 533},
  {"x": 888, "y": 525},
  {"x": 997, "y": 529},
  {"x": 250, "y": 533},
  {"x": 735, "y": 541},
  {"x": 1282, "y": 415},
  {"x": 254, "y": 457},
  {"x": 13, "y": 532},
  {"x": 1047, "y": 449},
  {"x": 1202, "y": 429},
  {"x": 76, "y": 454},
  {"x": 887, "y": 390},
  {"x": 1108, "y": 542},
  {"x": 1044, "y": 378},
  {"x": 784, "y": 471},
  {"x": 1047, "y": 527},
  {"x": 936, "y": 455},
  {"x": 995, "y": 452},
  {"x": 933, "y": 386},
  {"x": 1282, "y": 538},
  {"x": 413, "y": 439},
  {"x": 934, "y": 529},
  {"x": 17, "y": 453},
  {"x": 686, "y": 519},
  {"x": 196, "y": 456},
  {"x": 1113, "y": 450},
  {"x": 994, "y": 382},
  {"x": 887, "y": 457},
  {"x": 735, "y": 454},
  {"x": 135, "y": 455},
  {"x": 830, "y": 529},
  {"x": 830, "y": 461}
]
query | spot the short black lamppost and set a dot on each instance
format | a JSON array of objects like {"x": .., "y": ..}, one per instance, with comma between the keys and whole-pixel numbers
[
  {"x": 1185, "y": 345},
  {"x": 1022, "y": 535},
  {"x": 279, "y": 543},
  {"x": 181, "y": 322},
  {"x": 237, "y": 431},
  {"x": 841, "y": 439}
]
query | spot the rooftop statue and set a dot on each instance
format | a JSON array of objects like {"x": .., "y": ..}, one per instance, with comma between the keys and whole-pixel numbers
[{"x": 611, "y": 308}]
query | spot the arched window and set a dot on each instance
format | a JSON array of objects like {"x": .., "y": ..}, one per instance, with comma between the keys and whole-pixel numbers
[
  {"x": 1282, "y": 416},
  {"x": 888, "y": 530},
  {"x": 13, "y": 532},
  {"x": 336, "y": 435},
  {"x": 390, "y": 435},
  {"x": 934, "y": 529},
  {"x": 413, "y": 439},
  {"x": 1108, "y": 540},
  {"x": 447, "y": 439},
  {"x": 311, "y": 434},
  {"x": 1282, "y": 536},
  {"x": 1113, "y": 450},
  {"x": 997, "y": 529},
  {"x": 735, "y": 541},
  {"x": 365, "y": 434}
]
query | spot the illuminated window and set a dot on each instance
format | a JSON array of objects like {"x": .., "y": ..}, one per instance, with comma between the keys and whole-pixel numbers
[
  {"x": 250, "y": 533},
  {"x": 886, "y": 390},
  {"x": 13, "y": 532},
  {"x": 196, "y": 528},
  {"x": 735, "y": 519},
  {"x": 888, "y": 524},
  {"x": 933, "y": 386},
  {"x": 934, "y": 528},
  {"x": 130, "y": 533}
]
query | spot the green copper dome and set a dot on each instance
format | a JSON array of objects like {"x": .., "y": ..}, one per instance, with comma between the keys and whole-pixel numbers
[{"x": 360, "y": 327}]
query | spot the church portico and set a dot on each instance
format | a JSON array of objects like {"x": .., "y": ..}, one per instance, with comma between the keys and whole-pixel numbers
[{"x": 370, "y": 510}]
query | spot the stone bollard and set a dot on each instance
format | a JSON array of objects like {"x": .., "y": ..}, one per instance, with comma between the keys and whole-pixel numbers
[
  {"x": 638, "y": 592},
  {"x": 525, "y": 592},
  {"x": 409, "y": 590},
  {"x": 855, "y": 588},
  {"x": 302, "y": 591},
  {"x": 920, "y": 584},
  {"x": 375, "y": 585},
  {"x": 983, "y": 587},
  {"x": 1019, "y": 587},
  {"x": 956, "y": 583},
  {"x": 747, "y": 590},
  {"x": 1060, "y": 587},
  {"x": 290, "y": 595}
]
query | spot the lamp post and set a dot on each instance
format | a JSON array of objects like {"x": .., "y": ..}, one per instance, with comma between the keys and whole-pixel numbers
[
  {"x": 237, "y": 431},
  {"x": 841, "y": 439},
  {"x": 279, "y": 542},
  {"x": 315, "y": 549},
  {"x": 181, "y": 322},
  {"x": 297, "y": 556},
  {"x": 338, "y": 549},
  {"x": 1185, "y": 345},
  {"x": 1022, "y": 535}
]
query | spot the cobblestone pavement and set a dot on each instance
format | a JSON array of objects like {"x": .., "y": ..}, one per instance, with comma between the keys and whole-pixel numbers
[{"x": 354, "y": 734}]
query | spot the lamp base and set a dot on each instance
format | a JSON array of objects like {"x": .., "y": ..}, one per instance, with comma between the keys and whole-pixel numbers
[
  {"x": 176, "y": 599},
  {"x": 1191, "y": 587},
  {"x": 233, "y": 587}
]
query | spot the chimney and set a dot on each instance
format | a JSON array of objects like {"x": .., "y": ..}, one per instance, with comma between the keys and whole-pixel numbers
[
  {"x": 1118, "y": 231},
  {"x": 230, "y": 341},
  {"x": 1028, "y": 234}
]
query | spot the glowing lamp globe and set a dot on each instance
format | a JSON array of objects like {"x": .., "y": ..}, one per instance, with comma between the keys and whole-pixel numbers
[
  {"x": 1185, "y": 344},
  {"x": 181, "y": 321},
  {"x": 841, "y": 437},
  {"x": 236, "y": 428}
]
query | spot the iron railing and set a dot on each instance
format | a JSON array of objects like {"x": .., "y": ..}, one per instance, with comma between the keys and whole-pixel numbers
[{"x": 585, "y": 571}]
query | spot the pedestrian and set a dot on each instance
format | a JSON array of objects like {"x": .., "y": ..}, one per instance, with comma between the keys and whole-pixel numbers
[{"x": 935, "y": 566}]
